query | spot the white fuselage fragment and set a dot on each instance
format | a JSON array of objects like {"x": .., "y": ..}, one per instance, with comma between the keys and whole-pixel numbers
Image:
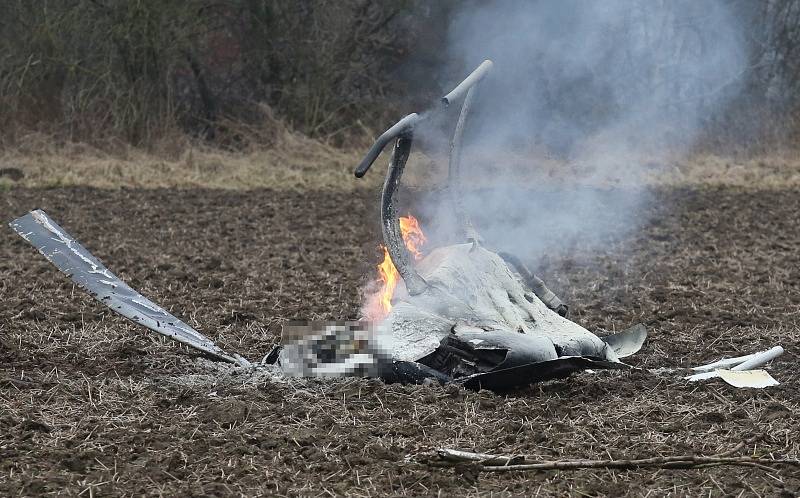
[{"x": 471, "y": 286}]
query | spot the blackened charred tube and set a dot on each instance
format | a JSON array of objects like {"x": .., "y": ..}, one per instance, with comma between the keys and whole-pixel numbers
[
  {"x": 547, "y": 296},
  {"x": 402, "y": 126},
  {"x": 468, "y": 82},
  {"x": 392, "y": 237}
]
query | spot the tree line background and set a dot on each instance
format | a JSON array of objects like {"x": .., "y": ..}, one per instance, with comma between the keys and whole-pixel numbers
[{"x": 338, "y": 70}]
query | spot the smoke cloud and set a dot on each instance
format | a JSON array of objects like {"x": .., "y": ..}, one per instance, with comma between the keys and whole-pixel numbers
[{"x": 583, "y": 96}]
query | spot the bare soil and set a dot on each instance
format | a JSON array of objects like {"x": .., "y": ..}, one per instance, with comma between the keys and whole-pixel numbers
[{"x": 92, "y": 404}]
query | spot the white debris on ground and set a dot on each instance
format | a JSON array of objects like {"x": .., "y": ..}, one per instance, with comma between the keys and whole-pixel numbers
[{"x": 741, "y": 371}]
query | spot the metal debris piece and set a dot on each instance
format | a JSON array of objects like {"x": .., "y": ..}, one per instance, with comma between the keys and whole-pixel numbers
[
  {"x": 463, "y": 220},
  {"x": 407, "y": 124},
  {"x": 509, "y": 379},
  {"x": 713, "y": 374},
  {"x": 401, "y": 128},
  {"x": 747, "y": 378},
  {"x": 740, "y": 371},
  {"x": 627, "y": 342},
  {"x": 537, "y": 285},
  {"x": 743, "y": 362},
  {"x": 738, "y": 378},
  {"x": 759, "y": 359},
  {"x": 89, "y": 273},
  {"x": 410, "y": 372},
  {"x": 723, "y": 363},
  {"x": 470, "y": 81},
  {"x": 469, "y": 351},
  {"x": 390, "y": 222}
]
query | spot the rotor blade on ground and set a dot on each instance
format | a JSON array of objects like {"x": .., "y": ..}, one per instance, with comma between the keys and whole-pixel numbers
[{"x": 85, "y": 270}]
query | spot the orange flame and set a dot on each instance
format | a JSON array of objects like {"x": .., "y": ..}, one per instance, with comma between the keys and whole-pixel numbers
[
  {"x": 412, "y": 235},
  {"x": 414, "y": 239},
  {"x": 388, "y": 276}
]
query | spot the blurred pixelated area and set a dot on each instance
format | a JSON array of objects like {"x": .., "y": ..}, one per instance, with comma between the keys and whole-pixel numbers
[{"x": 333, "y": 349}]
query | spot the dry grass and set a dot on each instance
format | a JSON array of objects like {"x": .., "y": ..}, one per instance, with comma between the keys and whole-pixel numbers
[
  {"x": 780, "y": 169},
  {"x": 292, "y": 161}
]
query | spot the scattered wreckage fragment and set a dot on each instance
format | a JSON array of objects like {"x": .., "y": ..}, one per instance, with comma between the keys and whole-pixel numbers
[{"x": 741, "y": 371}]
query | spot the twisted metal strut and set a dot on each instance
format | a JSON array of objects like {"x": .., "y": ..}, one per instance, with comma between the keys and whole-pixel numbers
[{"x": 390, "y": 223}]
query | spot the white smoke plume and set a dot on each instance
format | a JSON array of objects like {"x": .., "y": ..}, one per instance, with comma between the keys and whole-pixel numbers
[{"x": 582, "y": 94}]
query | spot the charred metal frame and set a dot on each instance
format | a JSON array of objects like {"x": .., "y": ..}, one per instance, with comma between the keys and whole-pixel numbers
[
  {"x": 469, "y": 82},
  {"x": 390, "y": 223},
  {"x": 536, "y": 284},
  {"x": 403, "y": 132},
  {"x": 402, "y": 127},
  {"x": 454, "y": 169}
]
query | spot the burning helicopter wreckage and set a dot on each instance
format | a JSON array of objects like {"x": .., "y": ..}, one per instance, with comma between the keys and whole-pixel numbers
[{"x": 467, "y": 314}]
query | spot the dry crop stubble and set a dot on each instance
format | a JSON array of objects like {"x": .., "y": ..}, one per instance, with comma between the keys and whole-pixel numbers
[{"x": 90, "y": 402}]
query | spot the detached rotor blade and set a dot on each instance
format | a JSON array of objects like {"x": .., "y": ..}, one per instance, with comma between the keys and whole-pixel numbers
[{"x": 85, "y": 270}]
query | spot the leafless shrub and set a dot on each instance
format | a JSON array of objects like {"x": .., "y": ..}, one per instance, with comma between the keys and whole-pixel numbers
[
  {"x": 88, "y": 69},
  {"x": 110, "y": 71}
]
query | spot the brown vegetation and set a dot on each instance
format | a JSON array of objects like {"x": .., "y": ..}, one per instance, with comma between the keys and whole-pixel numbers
[{"x": 296, "y": 162}]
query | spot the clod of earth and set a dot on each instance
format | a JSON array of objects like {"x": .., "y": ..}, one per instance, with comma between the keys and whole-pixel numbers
[{"x": 469, "y": 314}]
